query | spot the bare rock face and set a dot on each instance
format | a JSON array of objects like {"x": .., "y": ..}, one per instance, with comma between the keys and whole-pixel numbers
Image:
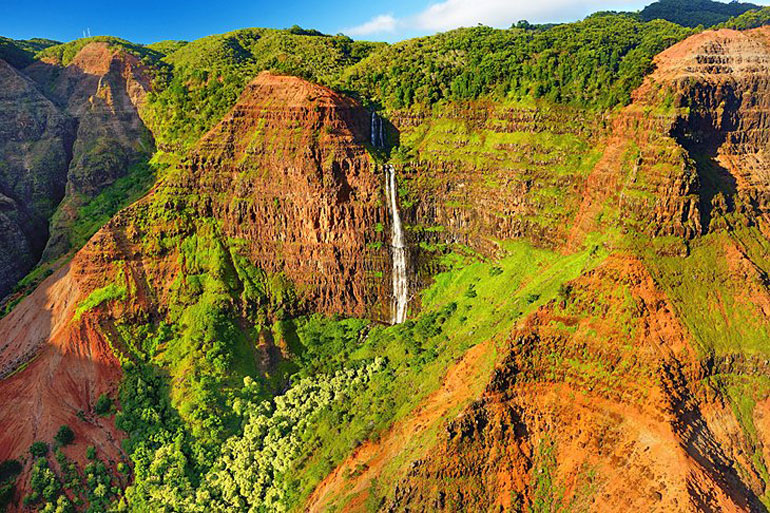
[
  {"x": 700, "y": 127},
  {"x": 103, "y": 88},
  {"x": 586, "y": 413},
  {"x": 35, "y": 141},
  {"x": 287, "y": 171},
  {"x": 723, "y": 81}
]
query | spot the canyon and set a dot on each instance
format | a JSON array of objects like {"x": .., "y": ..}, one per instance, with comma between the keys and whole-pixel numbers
[{"x": 571, "y": 305}]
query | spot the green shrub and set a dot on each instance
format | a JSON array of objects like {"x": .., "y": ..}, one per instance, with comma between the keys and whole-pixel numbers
[
  {"x": 9, "y": 469},
  {"x": 107, "y": 293},
  {"x": 64, "y": 436},
  {"x": 103, "y": 405},
  {"x": 38, "y": 449}
]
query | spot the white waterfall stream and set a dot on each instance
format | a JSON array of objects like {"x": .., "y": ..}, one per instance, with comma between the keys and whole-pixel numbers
[
  {"x": 400, "y": 283},
  {"x": 376, "y": 134}
]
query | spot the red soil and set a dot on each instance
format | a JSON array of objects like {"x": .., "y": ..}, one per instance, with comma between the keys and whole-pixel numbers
[{"x": 71, "y": 366}]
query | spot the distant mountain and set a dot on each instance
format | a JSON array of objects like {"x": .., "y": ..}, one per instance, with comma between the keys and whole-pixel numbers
[{"x": 691, "y": 13}]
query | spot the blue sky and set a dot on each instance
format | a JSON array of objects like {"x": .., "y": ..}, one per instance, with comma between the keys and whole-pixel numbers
[{"x": 146, "y": 21}]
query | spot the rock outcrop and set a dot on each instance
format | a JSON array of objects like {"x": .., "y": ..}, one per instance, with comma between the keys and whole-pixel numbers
[
  {"x": 619, "y": 393},
  {"x": 721, "y": 80},
  {"x": 287, "y": 171},
  {"x": 103, "y": 89},
  {"x": 286, "y": 178},
  {"x": 598, "y": 404},
  {"x": 642, "y": 386},
  {"x": 35, "y": 144}
]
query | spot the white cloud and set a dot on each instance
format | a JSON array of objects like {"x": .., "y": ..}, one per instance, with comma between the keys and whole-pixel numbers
[
  {"x": 378, "y": 25},
  {"x": 449, "y": 14}
]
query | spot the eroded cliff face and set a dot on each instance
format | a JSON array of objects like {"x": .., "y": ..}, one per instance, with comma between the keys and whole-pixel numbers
[
  {"x": 52, "y": 370},
  {"x": 282, "y": 190},
  {"x": 643, "y": 386},
  {"x": 601, "y": 403},
  {"x": 103, "y": 89},
  {"x": 68, "y": 133},
  {"x": 721, "y": 83},
  {"x": 35, "y": 143},
  {"x": 479, "y": 173},
  {"x": 287, "y": 172}
]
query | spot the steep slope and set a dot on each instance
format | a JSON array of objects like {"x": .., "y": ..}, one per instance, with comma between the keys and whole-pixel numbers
[
  {"x": 631, "y": 432},
  {"x": 54, "y": 369},
  {"x": 644, "y": 384},
  {"x": 274, "y": 210},
  {"x": 287, "y": 172},
  {"x": 597, "y": 338},
  {"x": 102, "y": 88},
  {"x": 21, "y": 53},
  {"x": 35, "y": 141},
  {"x": 721, "y": 79}
]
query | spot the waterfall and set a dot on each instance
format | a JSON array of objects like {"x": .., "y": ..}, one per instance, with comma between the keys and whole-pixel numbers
[
  {"x": 400, "y": 284},
  {"x": 376, "y": 131}
]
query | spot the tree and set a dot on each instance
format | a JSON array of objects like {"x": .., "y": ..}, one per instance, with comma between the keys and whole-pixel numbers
[
  {"x": 103, "y": 405},
  {"x": 64, "y": 436},
  {"x": 38, "y": 449}
]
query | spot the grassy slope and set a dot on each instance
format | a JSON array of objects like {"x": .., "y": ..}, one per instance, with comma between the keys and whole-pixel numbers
[{"x": 713, "y": 301}]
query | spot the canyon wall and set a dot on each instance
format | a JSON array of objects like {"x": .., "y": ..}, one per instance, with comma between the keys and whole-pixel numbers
[
  {"x": 35, "y": 145},
  {"x": 102, "y": 88},
  {"x": 643, "y": 385}
]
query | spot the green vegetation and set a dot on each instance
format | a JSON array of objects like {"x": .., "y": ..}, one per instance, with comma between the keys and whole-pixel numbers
[
  {"x": 43, "y": 483},
  {"x": 595, "y": 63},
  {"x": 9, "y": 471},
  {"x": 167, "y": 47},
  {"x": 691, "y": 13},
  {"x": 217, "y": 445},
  {"x": 749, "y": 20},
  {"x": 25, "y": 286},
  {"x": 233, "y": 397},
  {"x": 64, "y": 436},
  {"x": 64, "y": 53},
  {"x": 111, "y": 292},
  {"x": 712, "y": 304},
  {"x": 478, "y": 139},
  {"x": 548, "y": 497},
  {"x": 103, "y": 405},
  {"x": 21, "y": 53},
  {"x": 95, "y": 212},
  {"x": 65, "y": 490},
  {"x": 206, "y": 76},
  {"x": 38, "y": 449}
]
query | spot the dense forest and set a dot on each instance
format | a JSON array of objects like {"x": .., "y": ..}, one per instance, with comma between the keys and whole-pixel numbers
[{"x": 692, "y": 13}]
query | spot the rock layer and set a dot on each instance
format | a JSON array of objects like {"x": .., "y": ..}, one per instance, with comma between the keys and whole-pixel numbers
[
  {"x": 288, "y": 180},
  {"x": 103, "y": 89},
  {"x": 287, "y": 171},
  {"x": 35, "y": 141}
]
